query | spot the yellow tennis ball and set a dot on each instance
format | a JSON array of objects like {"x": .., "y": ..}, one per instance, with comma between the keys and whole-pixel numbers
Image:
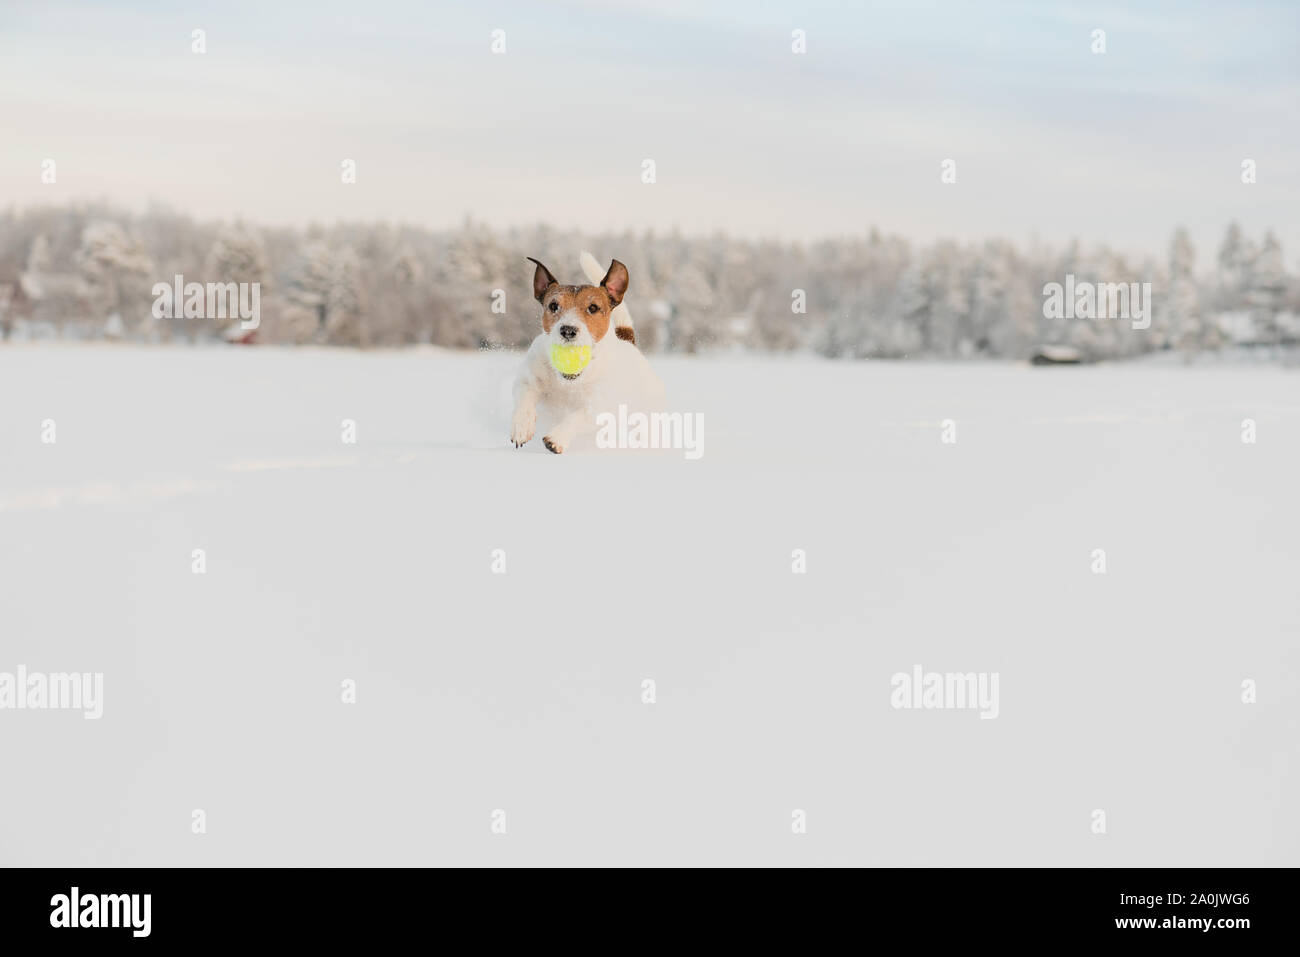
[{"x": 570, "y": 360}]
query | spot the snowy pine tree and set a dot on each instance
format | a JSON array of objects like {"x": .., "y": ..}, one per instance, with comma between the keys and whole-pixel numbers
[{"x": 112, "y": 273}]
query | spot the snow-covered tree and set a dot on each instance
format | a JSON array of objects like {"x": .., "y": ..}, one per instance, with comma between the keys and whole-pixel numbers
[
  {"x": 1266, "y": 289},
  {"x": 1181, "y": 321},
  {"x": 236, "y": 256},
  {"x": 346, "y": 315},
  {"x": 113, "y": 271},
  {"x": 1236, "y": 259}
]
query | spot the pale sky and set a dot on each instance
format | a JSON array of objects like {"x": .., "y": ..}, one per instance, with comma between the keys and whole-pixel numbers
[{"x": 1050, "y": 140}]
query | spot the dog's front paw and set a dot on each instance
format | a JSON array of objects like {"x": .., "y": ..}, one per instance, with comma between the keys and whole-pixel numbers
[
  {"x": 521, "y": 430},
  {"x": 551, "y": 444}
]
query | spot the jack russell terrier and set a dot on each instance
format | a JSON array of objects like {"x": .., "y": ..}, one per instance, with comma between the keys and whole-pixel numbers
[{"x": 576, "y": 369}]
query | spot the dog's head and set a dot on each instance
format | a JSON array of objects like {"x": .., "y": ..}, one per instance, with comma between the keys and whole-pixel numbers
[{"x": 578, "y": 315}]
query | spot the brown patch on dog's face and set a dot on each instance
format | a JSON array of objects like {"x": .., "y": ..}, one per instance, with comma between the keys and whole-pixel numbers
[{"x": 589, "y": 303}]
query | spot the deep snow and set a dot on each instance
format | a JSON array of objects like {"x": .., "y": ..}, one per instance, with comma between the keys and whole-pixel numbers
[{"x": 522, "y": 691}]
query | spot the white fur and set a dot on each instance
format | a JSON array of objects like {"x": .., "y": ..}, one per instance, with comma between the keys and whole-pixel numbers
[{"x": 618, "y": 374}]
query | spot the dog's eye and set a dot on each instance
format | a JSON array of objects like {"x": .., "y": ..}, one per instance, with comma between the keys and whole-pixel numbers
[
  {"x": 555, "y": 307},
  {"x": 593, "y": 309}
]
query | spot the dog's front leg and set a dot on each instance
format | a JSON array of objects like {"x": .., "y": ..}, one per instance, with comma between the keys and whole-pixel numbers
[
  {"x": 524, "y": 421},
  {"x": 566, "y": 430}
]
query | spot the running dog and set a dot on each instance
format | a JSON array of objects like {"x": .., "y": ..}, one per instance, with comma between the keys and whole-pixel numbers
[{"x": 577, "y": 368}]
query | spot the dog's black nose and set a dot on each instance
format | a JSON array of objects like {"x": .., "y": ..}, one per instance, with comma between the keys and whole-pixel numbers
[{"x": 568, "y": 332}]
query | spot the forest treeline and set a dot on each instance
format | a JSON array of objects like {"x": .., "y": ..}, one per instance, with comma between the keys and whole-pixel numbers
[{"x": 89, "y": 271}]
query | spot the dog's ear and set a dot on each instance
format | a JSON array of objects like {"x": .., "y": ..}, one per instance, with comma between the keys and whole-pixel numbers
[
  {"x": 615, "y": 281},
  {"x": 542, "y": 280}
]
